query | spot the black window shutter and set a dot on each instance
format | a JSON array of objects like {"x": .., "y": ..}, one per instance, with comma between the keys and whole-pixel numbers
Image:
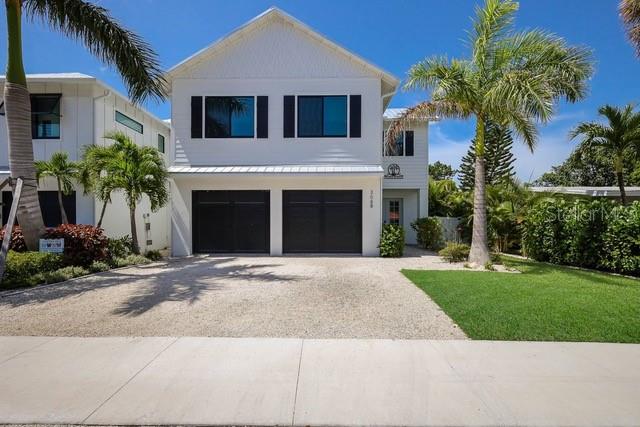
[
  {"x": 408, "y": 143},
  {"x": 263, "y": 117},
  {"x": 289, "y": 125},
  {"x": 355, "y": 116},
  {"x": 196, "y": 117}
]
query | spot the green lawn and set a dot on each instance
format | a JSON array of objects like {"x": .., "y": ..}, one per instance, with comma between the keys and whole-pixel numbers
[{"x": 543, "y": 303}]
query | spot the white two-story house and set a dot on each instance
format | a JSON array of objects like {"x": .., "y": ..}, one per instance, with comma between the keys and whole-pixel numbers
[
  {"x": 276, "y": 147},
  {"x": 69, "y": 112}
]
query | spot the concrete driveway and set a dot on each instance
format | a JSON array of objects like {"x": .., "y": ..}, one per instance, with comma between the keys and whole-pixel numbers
[{"x": 304, "y": 297}]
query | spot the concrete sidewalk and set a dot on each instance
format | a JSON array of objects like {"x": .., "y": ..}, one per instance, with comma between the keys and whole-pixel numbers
[{"x": 316, "y": 382}]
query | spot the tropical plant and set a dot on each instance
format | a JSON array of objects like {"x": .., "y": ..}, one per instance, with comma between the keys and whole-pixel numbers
[
  {"x": 630, "y": 13},
  {"x": 441, "y": 171},
  {"x": 137, "y": 171},
  {"x": 64, "y": 172},
  {"x": 498, "y": 158},
  {"x": 512, "y": 78},
  {"x": 94, "y": 160},
  {"x": 103, "y": 37},
  {"x": 618, "y": 139}
]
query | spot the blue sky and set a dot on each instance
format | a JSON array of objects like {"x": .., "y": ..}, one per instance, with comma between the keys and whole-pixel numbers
[{"x": 391, "y": 34}]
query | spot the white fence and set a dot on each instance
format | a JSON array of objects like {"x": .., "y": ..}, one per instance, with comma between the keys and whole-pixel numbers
[{"x": 449, "y": 228}]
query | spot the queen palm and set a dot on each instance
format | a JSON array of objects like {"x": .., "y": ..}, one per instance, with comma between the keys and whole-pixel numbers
[
  {"x": 103, "y": 37},
  {"x": 137, "y": 171},
  {"x": 617, "y": 140},
  {"x": 91, "y": 175},
  {"x": 630, "y": 13},
  {"x": 511, "y": 78},
  {"x": 64, "y": 171}
]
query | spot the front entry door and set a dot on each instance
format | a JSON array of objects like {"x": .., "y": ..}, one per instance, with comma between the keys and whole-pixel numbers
[{"x": 393, "y": 211}]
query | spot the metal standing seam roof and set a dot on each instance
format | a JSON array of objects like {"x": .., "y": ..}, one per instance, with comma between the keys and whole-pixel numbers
[{"x": 278, "y": 169}]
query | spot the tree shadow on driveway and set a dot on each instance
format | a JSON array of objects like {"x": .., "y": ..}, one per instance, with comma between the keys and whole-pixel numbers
[{"x": 174, "y": 280}]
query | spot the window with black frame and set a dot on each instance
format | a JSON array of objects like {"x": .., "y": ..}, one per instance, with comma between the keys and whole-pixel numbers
[
  {"x": 45, "y": 116},
  {"x": 403, "y": 145},
  {"x": 229, "y": 117},
  {"x": 322, "y": 116}
]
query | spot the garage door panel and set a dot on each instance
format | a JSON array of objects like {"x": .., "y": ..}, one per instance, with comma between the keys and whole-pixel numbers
[
  {"x": 345, "y": 228},
  {"x": 322, "y": 221},
  {"x": 251, "y": 234},
  {"x": 230, "y": 221},
  {"x": 299, "y": 218}
]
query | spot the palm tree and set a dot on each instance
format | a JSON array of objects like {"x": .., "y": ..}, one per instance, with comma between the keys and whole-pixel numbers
[
  {"x": 137, "y": 171},
  {"x": 106, "y": 39},
  {"x": 630, "y": 13},
  {"x": 618, "y": 140},
  {"x": 64, "y": 172},
  {"x": 91, "y": 176},
  {"x": 513, "y": 79}
]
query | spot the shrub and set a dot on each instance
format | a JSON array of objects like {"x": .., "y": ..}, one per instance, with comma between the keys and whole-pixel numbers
[
  {"x": 65, "y": 273},
  {"x": 391, "y": 241},
  {"x": 584, "y": 227},
  {"x": 428, "y": 233},
  {"x": 130, "y": 260},
  {"x": 621, "y": 240},
  {"x": 83, "y": 244},
  {"x": 153, "y": 255},
  {"x": 27, "y": 268},
  {"x": 120, "y": 247},
  {"x": 98, "y": 266},
  {"x": 17, "y": 239},
  {"x": 544, "y": 236},
  {"x": 455, "y": 252}
]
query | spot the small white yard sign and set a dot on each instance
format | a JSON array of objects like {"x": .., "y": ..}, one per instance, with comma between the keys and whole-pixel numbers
[{"x": 52, "y": 245}]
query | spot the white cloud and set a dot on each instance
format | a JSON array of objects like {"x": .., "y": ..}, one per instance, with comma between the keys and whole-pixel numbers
[{"x": 445, "y": 148}]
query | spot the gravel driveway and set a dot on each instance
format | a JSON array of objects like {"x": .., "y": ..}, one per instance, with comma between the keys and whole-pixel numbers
[{"x": 306, "y": 297}]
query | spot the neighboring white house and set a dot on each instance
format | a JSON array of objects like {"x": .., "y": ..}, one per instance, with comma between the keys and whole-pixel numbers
[
  {"x": 277, "y": 146},
  {"x": 69, "y": 112}
]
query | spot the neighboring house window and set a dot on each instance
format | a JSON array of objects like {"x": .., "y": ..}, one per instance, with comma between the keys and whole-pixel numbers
[
  {"x": 129, "y": 122},
  {"x": 403, "y": 146},
  {"x": 229, "y": 117},
  {"x": 45, "y": 116},
  {"x": 161, "y": 143},
  {"x": 322, "y": 116}
]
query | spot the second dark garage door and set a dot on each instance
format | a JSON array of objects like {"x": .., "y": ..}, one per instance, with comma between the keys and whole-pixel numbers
[
  {"x": 230, "y": 221},
  {"x": 319, "y": 221}
]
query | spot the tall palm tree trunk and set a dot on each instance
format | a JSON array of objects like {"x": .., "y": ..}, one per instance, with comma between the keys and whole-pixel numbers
[
  {"x": 102, "y": 212},
  {"x": 17, "y": 104},
  {"x": 63, "y": 213},
  {"x": 479, "y": 254},
  {"x": 134, "y": 231}
]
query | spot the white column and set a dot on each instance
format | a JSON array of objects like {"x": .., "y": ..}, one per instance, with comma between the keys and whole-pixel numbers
[{"x": 275, "y": 219}]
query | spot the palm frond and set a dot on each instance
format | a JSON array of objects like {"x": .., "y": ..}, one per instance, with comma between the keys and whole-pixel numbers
[
  {"x": 105, "y": 38},
  {"x": 424, "y": 111},
  {"x": 630, "y": 14},
  {"x": 492, "y": 22}
]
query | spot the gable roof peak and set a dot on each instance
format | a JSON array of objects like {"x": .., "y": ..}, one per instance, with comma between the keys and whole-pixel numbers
[{"x": 271, "y": 13}]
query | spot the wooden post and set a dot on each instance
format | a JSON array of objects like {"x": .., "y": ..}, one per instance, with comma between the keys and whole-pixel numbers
[{"x": 8, "y": 231}]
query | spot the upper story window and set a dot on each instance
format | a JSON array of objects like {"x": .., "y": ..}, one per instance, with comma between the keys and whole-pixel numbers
[
  {"x": 229, "y": 117},
  {"x": 161, "y": 143},
  {"x": 45, "y": 116},
  {"x": 322, "y": 116},
  {"x": 129, "y": 122},
  {"x": 403, "y": 145}
]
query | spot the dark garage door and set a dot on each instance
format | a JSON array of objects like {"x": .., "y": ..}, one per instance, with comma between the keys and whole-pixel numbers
[
  {"x": 230, "y": 221},
  {"x": 322, "y": 221}
]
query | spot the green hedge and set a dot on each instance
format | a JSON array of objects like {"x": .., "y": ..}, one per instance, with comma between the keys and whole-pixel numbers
[
  {"x": 428, "y": 233},
  {"x": 584, "y": 233},
  {"x": 28, "y": 268},
  {"x": 391, "y": 241}
]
